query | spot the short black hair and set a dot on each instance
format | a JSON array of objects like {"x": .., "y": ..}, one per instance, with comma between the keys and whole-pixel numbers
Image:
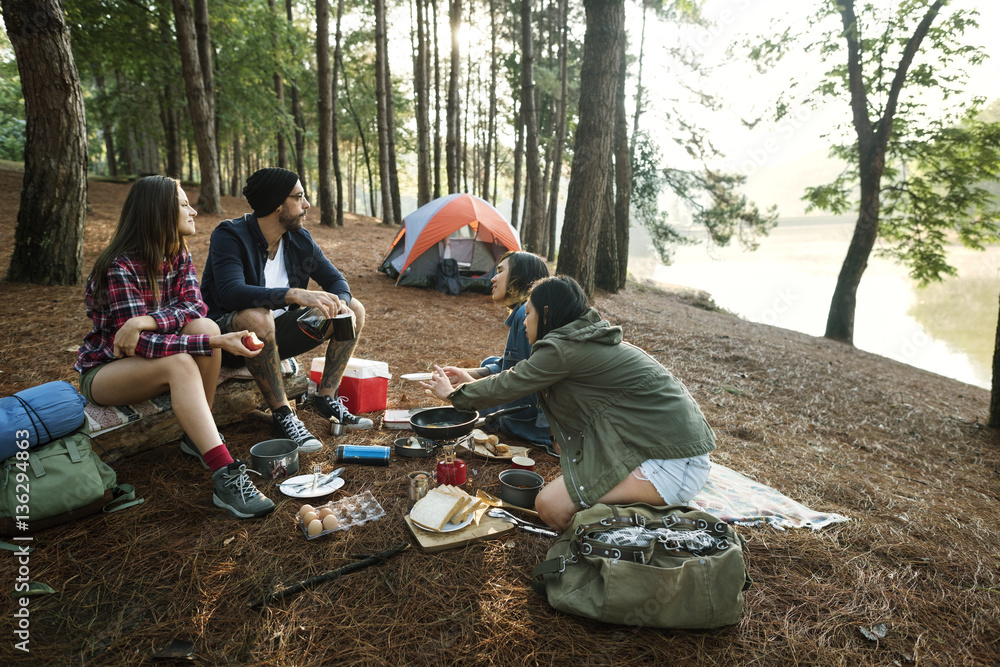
[{"x": 558, "y": 300}]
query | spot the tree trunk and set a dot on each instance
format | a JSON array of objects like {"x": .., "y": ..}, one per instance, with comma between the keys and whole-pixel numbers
[
  {"x": 336, "y": 123},
  {"x": 452, "y": 116},
  {"x": 623, "y": 176},
  {"x": 872, "y": 141},
  {"x": 298, "y": 118},
  {"x": 325, "y": 139},
  {"x": 420, "y": 82},
  {"x": 515, "y": 200},
  {"x": 561, "y": 110},
  {"x": 840, "y": 320},
  {"x": 364, "y": 141},
  {"x": 390, "y": 118},
  {"x": 205, "y": 59},
  {"x": 236, "y": 178},
  {"x": 48, "y": 242},
  {"x": 491, "y": 123},
  {"x": 200, "y": 107},
  {"x": 532, "y": 234},
  {"x": 586, "y": 201},
  {"x": 279, "y": 93},
  {"x": 437, "y": 104},
  {"x": 994, "y": 419},
  {"x": 385, "y": 180},
  {"x": 639, "y": 90},
  {"x": 106, "y": 127},
  {"x": 171, "y": 132}
]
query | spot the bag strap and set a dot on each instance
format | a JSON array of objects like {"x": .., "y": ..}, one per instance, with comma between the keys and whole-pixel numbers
[
  {"x": 551, "y": 566},
  {"x": 32, "y": 416},
  {"x": 124, "y": 497}
]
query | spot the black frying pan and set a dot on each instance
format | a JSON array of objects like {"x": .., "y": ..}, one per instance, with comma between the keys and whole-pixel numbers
[{"x": 449, "y": 423}]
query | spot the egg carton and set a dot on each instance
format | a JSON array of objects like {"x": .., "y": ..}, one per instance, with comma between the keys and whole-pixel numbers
[{"x": 350, "y": 512}]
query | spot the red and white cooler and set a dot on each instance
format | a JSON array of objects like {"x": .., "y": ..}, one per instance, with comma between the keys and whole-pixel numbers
[{"x": 364, "y": 387}]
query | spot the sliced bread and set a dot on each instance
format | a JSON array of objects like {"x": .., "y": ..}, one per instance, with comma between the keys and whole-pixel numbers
[{"x": 435, "y": 509}]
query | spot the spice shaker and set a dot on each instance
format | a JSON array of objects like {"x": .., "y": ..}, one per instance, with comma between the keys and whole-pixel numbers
[{"x": 419, "y": 485}]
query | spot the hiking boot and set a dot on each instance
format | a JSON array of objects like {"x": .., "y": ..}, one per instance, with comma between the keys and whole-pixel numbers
[
  {"x": 334, "y": 407},
  {"x": 235, "y": 493},
  {"x": 289, "y": 427},
  {"x": 190, "y": 449}
]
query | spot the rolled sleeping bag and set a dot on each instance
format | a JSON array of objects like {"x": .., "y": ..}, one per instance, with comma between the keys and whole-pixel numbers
[{"x": 39, "y": 415}]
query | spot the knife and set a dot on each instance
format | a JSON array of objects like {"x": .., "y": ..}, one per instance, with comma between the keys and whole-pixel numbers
[{"x": 323, "y": 482}]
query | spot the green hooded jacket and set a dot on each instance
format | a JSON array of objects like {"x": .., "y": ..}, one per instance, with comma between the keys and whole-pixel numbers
[{"x": 610, "y": 405}]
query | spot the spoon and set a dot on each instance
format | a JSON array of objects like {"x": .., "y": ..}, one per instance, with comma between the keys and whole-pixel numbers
[
  {"x": 493, "y": 501},
  {"x": 499, "y": 513}
]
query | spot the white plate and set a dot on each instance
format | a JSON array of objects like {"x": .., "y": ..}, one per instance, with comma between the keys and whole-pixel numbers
[
  {"x": 326, "y": 489},
  {"x": 450, "y": 527},
  {"x": 416, "y": 377}
]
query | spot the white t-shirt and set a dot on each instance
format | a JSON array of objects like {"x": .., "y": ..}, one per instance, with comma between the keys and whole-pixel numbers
[{"x": 275, "y": 274}]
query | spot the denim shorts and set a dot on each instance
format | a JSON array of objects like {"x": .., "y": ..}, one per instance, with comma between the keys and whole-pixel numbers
[{"x": 677, "y": 480}]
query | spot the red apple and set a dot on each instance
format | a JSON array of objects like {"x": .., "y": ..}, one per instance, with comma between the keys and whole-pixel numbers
[{"x": 251, "y": 342}]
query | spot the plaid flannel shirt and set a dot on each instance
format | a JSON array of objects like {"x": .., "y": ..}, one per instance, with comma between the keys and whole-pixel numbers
[{"x": 129, "y": 296}]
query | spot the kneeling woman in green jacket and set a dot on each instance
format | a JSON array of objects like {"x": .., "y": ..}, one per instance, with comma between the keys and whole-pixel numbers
[{"x": 628, "y": 431}]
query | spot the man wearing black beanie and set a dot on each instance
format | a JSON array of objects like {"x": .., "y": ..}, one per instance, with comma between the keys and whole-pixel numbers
[{"x": 256, "y": 278}]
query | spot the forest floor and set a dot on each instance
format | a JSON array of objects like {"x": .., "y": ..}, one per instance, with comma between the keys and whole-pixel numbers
[{"x": 902, "y": 452}]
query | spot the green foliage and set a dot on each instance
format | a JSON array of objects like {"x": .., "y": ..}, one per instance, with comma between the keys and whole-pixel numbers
[
  {"x": 940, "y": 182},
  {"x": 712, "y": 197}
]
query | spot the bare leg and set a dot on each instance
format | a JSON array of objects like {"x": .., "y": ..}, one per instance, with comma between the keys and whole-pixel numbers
[
  {"x": 136, "y": 379},
  {"x": 208, "y": 366},
  {"x": 338, "y": 353},
  {"x": 556, "y": 508},
  {"x": 266, "y": 366}
]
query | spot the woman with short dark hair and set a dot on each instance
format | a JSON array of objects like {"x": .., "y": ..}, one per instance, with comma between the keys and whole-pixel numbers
[
  {"x": 628, "y": 431},
  {"x": 516, "y": 272}
]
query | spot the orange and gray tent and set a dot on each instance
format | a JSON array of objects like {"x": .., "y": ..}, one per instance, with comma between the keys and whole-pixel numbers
[{"x": 460, "y": 226}]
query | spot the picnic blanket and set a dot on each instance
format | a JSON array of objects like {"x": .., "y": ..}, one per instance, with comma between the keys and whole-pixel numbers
[
  {"x": 737, "y": 499},
  {"x": 104, "y": 418}
]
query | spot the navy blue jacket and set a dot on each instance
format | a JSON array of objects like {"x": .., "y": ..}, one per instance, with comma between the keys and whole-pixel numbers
[{"x": 234, "y": 273}]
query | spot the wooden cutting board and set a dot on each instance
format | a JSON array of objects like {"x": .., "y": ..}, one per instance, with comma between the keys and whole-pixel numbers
[{"x": 430, "y": 542}]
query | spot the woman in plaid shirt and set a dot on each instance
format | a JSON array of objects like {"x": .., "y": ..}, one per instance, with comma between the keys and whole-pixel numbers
[{"x": 151, "y": 335}]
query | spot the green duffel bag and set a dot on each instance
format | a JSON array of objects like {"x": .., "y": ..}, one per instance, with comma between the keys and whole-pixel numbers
[
  {"x": 58, "y": 482},
  {"x": 639, "y": 565}
]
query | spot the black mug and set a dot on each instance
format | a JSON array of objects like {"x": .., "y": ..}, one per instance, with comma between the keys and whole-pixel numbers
[{"x": 313, "y": 324}]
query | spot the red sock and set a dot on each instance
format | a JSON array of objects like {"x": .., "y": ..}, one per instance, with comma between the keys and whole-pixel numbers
[{"x": 217, "y": 457}]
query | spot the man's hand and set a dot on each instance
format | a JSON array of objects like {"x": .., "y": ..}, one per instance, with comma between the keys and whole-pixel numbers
[{"x": 328, "y": 304}]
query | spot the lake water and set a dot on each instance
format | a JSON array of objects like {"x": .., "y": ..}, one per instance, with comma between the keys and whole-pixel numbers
[{"x": 947, "y": 328}]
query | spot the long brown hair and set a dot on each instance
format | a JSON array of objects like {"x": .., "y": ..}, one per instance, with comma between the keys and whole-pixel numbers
[{"x": 147, "y": 230}]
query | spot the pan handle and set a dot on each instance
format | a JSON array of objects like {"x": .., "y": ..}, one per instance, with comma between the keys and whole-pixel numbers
[{"x": 492, "y": 417}]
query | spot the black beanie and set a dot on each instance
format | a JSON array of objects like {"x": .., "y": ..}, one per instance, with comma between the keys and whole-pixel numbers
[{"x": 266, "y": 189}]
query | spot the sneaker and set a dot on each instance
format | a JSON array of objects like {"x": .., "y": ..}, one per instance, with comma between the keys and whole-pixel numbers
[
  {"x": 188, "y": 448},
  {"x": 235, "y": 493},
  {"x": 288, "y": 426},
  {"x": 334, "y": 407}
]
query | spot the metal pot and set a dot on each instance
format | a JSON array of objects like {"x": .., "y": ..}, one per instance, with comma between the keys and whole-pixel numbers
[
  {"x": 519, "y": 487},
  {"x": 448, "y": 423},
  {"x": 275, "y": 458}
]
